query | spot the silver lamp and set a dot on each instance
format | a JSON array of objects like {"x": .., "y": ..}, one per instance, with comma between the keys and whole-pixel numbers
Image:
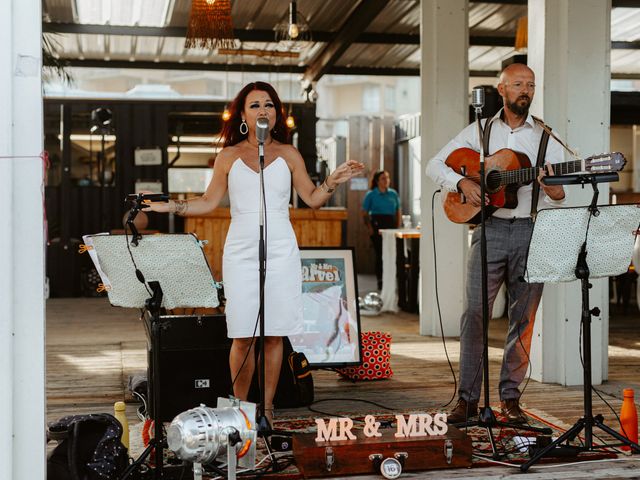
[{"x": 203, "y": 434}]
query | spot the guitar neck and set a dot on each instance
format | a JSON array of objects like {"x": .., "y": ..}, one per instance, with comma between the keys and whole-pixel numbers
[{"x": 524, "y": 175}]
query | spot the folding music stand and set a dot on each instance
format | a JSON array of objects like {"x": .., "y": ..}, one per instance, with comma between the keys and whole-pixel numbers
[
  {"x": 162, "y": 271},
  {"x": 607, "y": 234}
]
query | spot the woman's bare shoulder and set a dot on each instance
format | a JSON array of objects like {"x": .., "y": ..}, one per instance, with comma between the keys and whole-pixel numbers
[
  {"x": 227, "y": 156},
  {"x": 289, "y": 153}
]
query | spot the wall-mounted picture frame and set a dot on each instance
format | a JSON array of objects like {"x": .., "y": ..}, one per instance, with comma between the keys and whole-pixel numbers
[{"x": 331, "y": 315}]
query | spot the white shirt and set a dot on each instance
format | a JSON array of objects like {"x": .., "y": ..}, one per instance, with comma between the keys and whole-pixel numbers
[{"x": 524, "y": 139}]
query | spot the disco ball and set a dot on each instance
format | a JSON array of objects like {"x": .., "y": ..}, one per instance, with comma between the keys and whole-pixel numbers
[{"x": 371, "y": 304}]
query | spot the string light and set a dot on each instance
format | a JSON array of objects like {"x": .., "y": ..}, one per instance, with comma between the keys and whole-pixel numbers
[
  {"x": 290, "y": 121},
  {"x": 294, "y": 30}
]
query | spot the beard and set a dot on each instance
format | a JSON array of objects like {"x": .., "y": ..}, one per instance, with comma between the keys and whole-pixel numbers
[{"x": 521, "y": 106}]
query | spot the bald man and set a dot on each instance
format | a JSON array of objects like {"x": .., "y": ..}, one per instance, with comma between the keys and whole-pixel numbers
[{"x": 508, "y": 232}]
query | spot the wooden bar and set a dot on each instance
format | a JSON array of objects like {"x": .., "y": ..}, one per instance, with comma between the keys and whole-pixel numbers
[{"x": 313, "y": 228}]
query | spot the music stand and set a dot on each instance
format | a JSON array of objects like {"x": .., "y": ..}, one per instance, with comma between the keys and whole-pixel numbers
[
  {"x": 175, "y": 269},
  {"x": 608, "y": 234}
]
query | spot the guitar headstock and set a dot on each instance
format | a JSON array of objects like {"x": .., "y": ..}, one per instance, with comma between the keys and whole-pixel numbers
[{"x": 605, "y": 162}]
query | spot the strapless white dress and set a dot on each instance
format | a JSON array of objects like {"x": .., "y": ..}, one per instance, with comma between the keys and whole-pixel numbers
[{"x": 240, "y": 274}]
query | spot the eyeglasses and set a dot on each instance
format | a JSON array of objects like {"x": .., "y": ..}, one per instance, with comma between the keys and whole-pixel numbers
[{"x": 519, "y": 85}]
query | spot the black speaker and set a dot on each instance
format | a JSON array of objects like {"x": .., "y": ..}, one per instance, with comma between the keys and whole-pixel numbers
[{"x": 193, "y": 363}]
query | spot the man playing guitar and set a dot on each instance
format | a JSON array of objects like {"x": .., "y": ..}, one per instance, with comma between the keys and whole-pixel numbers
[{"x": 508, "y": 232}]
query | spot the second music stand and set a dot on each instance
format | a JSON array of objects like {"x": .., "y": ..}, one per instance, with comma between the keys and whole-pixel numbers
[{"x": 607, "y": 234}]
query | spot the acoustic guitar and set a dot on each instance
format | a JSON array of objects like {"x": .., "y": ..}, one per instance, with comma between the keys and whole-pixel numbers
[{"x": 505, "y": 172}]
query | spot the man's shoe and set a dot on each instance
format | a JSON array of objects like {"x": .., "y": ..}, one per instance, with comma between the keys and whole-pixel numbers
[
  {"x": 511, "y": 410},
  {"x": 463, "y": 411}
]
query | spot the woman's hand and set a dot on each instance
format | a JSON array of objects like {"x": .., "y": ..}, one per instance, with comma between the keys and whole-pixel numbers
[
  {"x": 160, "y": 207},
  {"x": 344, "y": 172}
]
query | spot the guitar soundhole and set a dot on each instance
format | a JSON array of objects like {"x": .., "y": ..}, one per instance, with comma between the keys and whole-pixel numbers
[{"x": 493, "y": 181}]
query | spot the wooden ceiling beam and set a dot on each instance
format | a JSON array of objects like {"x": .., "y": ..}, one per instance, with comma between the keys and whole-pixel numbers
[{"x": 357, "y": 22}]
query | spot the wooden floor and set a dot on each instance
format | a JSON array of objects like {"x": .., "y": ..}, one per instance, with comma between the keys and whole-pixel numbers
[{"x": 93, "y": 348}]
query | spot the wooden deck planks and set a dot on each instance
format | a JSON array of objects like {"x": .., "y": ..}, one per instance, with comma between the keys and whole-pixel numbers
[{"x": 92, "y": 349}]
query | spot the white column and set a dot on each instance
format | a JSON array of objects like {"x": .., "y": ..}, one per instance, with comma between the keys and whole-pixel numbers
[
  {"x": 22, "y": 324},
  {"x": 569, "y": 50},
  {"x": 445, "y": 87}
]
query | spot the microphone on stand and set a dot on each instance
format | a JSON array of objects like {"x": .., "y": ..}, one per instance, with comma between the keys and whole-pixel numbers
[
  {"x": 262, "y": 129},
  {"x": 477, "y": 98}
]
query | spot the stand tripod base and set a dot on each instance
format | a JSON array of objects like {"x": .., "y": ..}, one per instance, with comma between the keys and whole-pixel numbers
[
  {"x": 585, "y": 423},
  {"x": 487, "y": 420}
]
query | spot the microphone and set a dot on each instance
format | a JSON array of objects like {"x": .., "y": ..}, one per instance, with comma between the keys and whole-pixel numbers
[
  {"x": 477, "y": 97},
  {"x": 262, "y": 128},
  {"x": 152, "y": 197}
]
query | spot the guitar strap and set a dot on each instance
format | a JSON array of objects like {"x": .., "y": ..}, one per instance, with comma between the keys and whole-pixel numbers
[
  {"x": 486, "y": 132},
  {"x": 542, "y": 152}
]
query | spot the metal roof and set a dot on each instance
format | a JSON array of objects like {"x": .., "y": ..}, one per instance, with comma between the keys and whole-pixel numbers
[{"x": 381, "y": 37}]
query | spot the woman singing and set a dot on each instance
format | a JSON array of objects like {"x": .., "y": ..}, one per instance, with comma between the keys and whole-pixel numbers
[{"x": 237, "y": 170}]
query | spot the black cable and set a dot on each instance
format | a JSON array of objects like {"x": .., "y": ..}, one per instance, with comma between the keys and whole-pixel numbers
[
  {"x": 139, "y": 274},
  {"x": 435, "y": 274},
  {"x": 334, "y": 399}
]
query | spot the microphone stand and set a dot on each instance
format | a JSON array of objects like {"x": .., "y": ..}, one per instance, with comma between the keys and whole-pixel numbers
[
  {"x": 262, "y": 422},
  {"x": 486, "y": 416}
]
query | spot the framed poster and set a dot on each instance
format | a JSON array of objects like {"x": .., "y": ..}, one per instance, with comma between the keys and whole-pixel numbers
[{"x": 331, "y": 335}]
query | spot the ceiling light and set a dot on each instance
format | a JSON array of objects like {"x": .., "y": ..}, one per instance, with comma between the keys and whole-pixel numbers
[
  {"x": 210, "y": 25},
  {"x": 226, "y": 114},
  {"x": 294, "y": 31},
  {"x": 195, "y": 139}
]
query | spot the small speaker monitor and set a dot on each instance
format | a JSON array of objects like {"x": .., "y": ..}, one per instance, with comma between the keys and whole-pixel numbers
[{"x": 193, "y": 363}]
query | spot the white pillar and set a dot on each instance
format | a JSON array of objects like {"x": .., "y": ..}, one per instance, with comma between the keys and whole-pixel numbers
[
  {"x": 569, "y": 50},
  {"x": 445, "y": 111},
  {"x": 22, "y": 361}
]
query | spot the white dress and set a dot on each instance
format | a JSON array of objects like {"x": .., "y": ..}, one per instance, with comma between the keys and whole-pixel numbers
[{"x": 240, "y": 274}]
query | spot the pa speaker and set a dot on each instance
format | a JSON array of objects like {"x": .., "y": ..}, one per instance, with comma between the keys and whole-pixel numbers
[{"x": 193, "y": 363}]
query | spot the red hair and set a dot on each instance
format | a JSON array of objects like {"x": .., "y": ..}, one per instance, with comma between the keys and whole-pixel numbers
[{"x": 231, "y": 135}]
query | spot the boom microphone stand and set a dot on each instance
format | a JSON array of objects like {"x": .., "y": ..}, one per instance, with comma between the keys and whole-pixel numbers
[{"x": 486, "y": 417}]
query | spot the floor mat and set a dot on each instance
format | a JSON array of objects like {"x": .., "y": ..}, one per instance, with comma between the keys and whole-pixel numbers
[{"x": 508, "y": 445}]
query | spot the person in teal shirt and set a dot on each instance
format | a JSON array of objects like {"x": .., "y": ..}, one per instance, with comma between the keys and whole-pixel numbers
[{"x": 380, "y": 209}]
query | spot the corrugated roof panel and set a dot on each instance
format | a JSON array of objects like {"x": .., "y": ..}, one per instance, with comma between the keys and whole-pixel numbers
[
  {"x": 495, "y": 19},
  {"x": 399, "y": 16},
  {"x": 258, "y": 15},
  {"x": 327, "y": 15},
  {"x": 178, "y": 16},
  {"x": 58, "y": 10},
  {"x": 147, "y": 47},
  {"x": 488, "y": 58},
  {"x": 625, "y": 61},
  {"x": 625, "y": 24}
]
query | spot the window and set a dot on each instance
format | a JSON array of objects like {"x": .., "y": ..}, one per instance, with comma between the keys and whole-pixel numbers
[{"x": 371, "y": 98}]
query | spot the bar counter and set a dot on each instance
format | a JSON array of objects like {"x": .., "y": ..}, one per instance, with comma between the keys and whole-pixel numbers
[{"x": 313, "y": 228}]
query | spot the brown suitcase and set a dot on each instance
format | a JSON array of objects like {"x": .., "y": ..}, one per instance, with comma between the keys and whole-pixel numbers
[{"x": 363, "y": 455}]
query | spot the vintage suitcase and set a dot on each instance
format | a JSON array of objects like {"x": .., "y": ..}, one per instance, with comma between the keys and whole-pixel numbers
[{"x": 363, "y": 455}]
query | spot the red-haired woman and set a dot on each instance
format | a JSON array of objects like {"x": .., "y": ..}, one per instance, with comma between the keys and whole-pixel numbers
[{"x": 237, "y": 170}]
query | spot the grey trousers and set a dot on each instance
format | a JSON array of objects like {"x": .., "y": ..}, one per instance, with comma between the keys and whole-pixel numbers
[{"x": 507, "y": 245}]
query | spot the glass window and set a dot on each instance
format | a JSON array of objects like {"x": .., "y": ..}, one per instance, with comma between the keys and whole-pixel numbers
[{"x": 371, "y": 98}]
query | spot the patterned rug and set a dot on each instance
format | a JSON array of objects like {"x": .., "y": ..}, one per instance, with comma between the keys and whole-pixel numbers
[{"x": 511, "y": 443}]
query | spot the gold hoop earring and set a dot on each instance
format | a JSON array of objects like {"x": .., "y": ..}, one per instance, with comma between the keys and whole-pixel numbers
[{"x": 244, "y": 128}]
